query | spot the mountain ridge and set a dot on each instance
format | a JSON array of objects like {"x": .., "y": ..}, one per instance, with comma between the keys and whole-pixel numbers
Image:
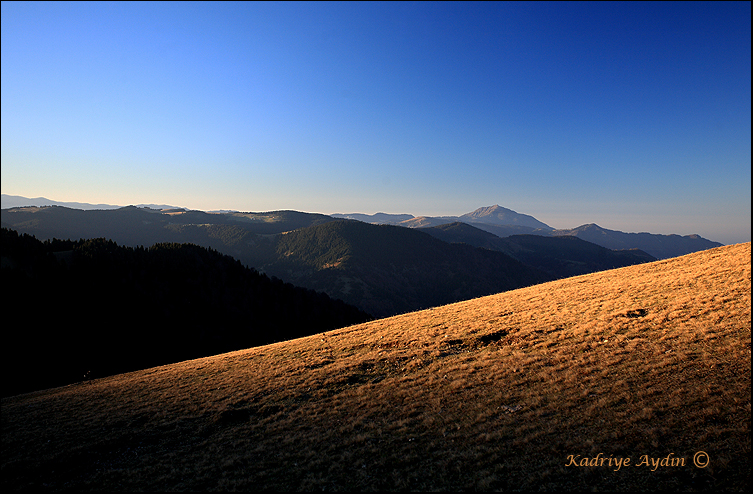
[
  {"x": 494, "y": 215},
  {"x": 658, "y": 245},
  {"x": 560, "y": 257},
  {"x": 495, "y": 219},
  {"x": 11, "y": 201}
]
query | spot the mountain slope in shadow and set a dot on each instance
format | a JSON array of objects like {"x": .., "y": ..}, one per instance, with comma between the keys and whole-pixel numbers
[
  {"x": 559, "y": 257},
  {"x": 387, "y": 270},
  {"x": 659, "y": 246},
  {"x": 91, "y": 308}
]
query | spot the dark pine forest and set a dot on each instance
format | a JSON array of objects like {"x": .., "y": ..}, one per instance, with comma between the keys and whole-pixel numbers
[{"x": 78, "y": 310}]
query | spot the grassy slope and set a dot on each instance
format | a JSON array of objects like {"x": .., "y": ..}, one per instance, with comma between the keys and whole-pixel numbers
[{"x": 491, "y": 393}]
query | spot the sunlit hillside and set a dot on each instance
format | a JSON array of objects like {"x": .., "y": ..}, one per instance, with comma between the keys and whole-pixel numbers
[{"x": 520, "y": 390}]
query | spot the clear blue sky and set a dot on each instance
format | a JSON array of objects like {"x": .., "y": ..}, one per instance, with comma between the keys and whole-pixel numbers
[{"x": 634, "y": 116}]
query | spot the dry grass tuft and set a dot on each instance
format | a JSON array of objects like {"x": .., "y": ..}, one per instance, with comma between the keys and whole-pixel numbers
[{"x": 490, "y": 394}]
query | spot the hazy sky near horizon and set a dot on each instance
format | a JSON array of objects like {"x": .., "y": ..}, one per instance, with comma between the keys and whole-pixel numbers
[{"x": 634, "y": 116}]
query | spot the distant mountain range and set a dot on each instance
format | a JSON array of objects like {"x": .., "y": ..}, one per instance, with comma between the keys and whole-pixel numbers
[
  {"x": 487, "y": 216},
  {"x": 9, "y": 201},
  {"x": 503, "y": 222},
  {"x": 559, "y": 257},
  {"x": 383, "y": 269},
  {"x": 659, "y": 246}
]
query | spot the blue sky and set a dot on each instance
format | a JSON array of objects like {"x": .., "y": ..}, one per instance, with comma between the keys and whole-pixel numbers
[{"x": 632, "y": 116}]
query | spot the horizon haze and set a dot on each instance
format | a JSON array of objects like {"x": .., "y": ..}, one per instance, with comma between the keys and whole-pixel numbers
[{"x": 632, "y": 116}]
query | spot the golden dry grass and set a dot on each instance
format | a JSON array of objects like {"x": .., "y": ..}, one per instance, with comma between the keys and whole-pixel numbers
[{"x": 510, "y": 391}]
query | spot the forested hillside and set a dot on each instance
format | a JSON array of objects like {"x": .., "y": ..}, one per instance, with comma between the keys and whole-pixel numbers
[
  {"x": 89, "y": 308},
  {"x": 388, "y": 270}
]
